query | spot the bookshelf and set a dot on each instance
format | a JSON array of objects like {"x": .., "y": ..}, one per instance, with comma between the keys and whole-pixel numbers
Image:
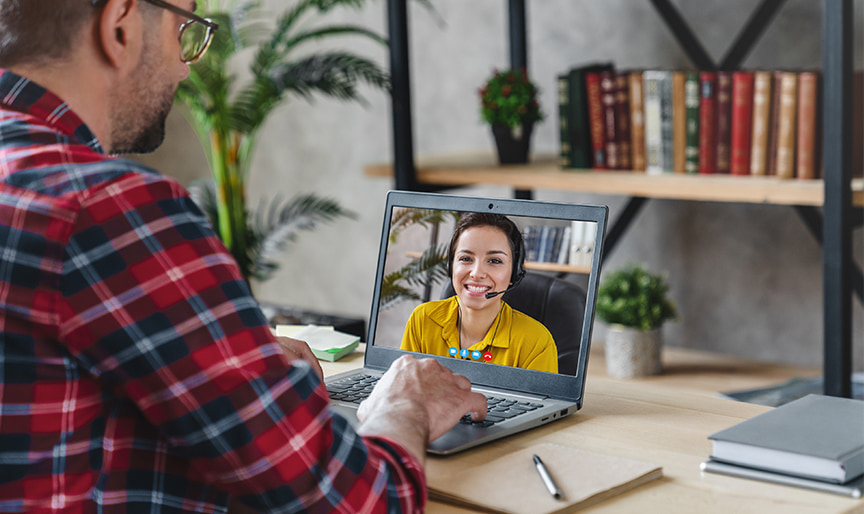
[
  {"x": 544, "y": 173},
  {"x": 837, "y": 194}
]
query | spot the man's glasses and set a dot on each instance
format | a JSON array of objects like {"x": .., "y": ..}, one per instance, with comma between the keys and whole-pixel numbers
[{"x": 196, "y": 34}]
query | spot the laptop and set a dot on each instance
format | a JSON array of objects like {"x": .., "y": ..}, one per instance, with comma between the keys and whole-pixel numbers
[{"x": 560, "y": 238}]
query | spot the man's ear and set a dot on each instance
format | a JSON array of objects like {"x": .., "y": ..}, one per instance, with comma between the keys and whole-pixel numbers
[{"x": 119, "y": 31}]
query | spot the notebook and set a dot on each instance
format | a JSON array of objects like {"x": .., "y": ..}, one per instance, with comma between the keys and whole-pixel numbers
[{"x": 412, "y": 270}]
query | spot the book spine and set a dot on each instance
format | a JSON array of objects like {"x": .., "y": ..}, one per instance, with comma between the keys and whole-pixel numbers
[
  {"x": 742, "y": 122},
  {"x": 787, "y": 128},
  {"x": 707, "y": 122},
  {"x": 580, "y": 131},
  {"x": 564, "y": 121},
  {"x": 637, "y": 121},
  {"x": 679, "y": 122},
  {"x": 691, "y": 105},
  {"x": 724, "y": 120},
  {"x": 607, "y": 97},
  {"x": 761, "y": 122},
  {"x": 653, "y": 133},
  {"x": 667, "y": 122},
  {"x": 622, "y": 121},
  {"x": 808, "y": 94},
  {"x": 595, "y": 114},
  {"x": 774, "y": 131}
]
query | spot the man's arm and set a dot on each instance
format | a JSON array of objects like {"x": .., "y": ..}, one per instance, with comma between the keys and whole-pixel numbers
[{"x": 155, "y": 307}]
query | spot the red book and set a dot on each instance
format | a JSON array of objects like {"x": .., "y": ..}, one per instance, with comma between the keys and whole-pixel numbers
[
  {"x": 724, "y": 120},
  {"x": 622, "y": 119},
  {"x": 608, "y": 88},
  {"x": 595, "y": 115},
  {"x": 742, "y": 122},
  {"x": 707, "y": 122}
]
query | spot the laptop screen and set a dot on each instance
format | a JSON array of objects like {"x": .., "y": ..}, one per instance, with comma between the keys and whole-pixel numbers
[{"x": 500, "y": 290}]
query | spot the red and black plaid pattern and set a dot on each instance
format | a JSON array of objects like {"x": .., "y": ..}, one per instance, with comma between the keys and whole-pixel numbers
[{"x": 136, "y": 370}]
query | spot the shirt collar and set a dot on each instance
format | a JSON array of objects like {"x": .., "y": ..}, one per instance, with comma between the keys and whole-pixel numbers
[
  {"x": 23, "y": 95},
  {"x": 447, "y": 313}
]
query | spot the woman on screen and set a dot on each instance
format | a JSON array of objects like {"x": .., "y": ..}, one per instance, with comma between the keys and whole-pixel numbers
[{"x": 485, "y": 259}]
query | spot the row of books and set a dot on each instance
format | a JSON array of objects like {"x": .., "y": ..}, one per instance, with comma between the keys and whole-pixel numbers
[
  {"x": 748, "y": 122},
  {"x": 571, "y": 244}
]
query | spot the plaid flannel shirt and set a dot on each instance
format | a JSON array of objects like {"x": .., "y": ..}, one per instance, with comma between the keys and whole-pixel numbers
[{"x": 136, "y": 370}]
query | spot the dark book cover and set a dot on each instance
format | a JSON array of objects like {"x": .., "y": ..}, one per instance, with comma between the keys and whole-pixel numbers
[
  {"x": 598, "y": 126},
  {"x": 707, "y": 122},
  {"x": 622, "y": 120},
  {"x": 724, "y": 121},
  {"x": 578, "y": 118},
  {"x": 608, "y": 86},
  {"x": 691, "y": 113}
]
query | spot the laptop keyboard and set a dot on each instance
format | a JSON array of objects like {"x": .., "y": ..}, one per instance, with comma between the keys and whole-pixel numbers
[{"x": 355, "y": 389}]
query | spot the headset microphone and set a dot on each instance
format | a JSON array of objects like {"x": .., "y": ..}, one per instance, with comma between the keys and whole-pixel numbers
[{"x": 493, "y": 295}]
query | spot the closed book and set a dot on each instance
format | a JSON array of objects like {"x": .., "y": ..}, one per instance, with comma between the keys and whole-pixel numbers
[
  {"x": 679, "y": 122},
  {"x": 724, "y": 121},
  {"x": 607, "y": 98},
  {"x": 691, "y": 105},
  {"x": 786, "y": 125},
  {"x": 666, "y": 121},
  {"x": 817, "y": 437},
  {"x": 658, "y": 121},
  {"x": 596, "y": 117},
  {"x": 774, "y": 131},
  {"x": 564, "y": 121},
  {"x": 637, "y": 121},
  {"x": 742, "y": 122},
  {"x": 707, "y": 122},
  {"x": 579, "y": 126},
  {"x": 762, "y": 81},
  {"x": 622, "y": 120},
  {"x": 807, "y": 143}
]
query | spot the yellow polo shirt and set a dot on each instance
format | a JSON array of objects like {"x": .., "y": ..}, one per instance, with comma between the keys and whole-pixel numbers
[{"x": 520, "y": 341}]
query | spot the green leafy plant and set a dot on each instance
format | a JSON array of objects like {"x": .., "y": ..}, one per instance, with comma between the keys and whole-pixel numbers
[
  {"x": 510, "y": 98},
  {"x": 427, "y": 270},
  {"x": 635, "y": 297},
  {"x": 227, "y": 114}
]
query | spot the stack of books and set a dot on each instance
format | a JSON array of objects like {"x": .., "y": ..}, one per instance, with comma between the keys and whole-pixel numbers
[
  {"x": 815, "y": 442},
  {"x": 744, "y": 122}
]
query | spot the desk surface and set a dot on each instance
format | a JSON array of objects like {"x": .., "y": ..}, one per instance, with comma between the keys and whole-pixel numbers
[{"x": 664, "y": 420}]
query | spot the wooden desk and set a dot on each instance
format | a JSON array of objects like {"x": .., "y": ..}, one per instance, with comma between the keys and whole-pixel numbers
[{"x": 665, "y": 420}]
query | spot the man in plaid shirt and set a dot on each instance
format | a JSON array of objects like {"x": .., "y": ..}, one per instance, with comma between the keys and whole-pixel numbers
[{"x": 136, "y": 370}]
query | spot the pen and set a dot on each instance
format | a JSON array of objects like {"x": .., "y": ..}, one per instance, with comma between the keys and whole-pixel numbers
[{"x": 547, "y": 478}]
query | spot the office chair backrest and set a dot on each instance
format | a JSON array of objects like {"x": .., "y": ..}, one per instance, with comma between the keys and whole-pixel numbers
[{"x": 557, "y": 304}]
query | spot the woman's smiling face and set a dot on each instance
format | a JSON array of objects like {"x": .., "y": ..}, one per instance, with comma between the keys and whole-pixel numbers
[{"x": 482, "y": 263}]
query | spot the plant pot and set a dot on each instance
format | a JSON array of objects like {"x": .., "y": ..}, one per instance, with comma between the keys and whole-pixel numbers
[
  {"x": 513, "y": 144},
  {"x": 631, "y": 352}
]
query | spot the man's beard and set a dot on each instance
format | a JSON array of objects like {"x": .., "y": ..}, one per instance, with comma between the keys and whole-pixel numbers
[{"x": 140, "y": 112}]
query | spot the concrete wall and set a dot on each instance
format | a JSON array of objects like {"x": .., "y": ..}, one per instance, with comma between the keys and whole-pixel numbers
[{"x": 747, "y": 278}]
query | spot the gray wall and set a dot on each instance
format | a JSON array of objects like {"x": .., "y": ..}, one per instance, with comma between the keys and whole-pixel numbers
[{"x": 747, "y": 278}]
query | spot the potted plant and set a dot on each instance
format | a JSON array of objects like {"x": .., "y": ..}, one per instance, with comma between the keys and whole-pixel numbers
[
  {"x": 635, "y": 303},
  {"x": 508, "y": 102},
  {"x": 227, "y": 112}
]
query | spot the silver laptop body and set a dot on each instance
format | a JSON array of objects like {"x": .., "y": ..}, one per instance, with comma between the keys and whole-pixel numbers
[{"x": 537, "y": 397}]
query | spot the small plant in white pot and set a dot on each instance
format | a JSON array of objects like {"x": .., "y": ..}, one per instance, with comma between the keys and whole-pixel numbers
[{"x": 635, "y": 304}]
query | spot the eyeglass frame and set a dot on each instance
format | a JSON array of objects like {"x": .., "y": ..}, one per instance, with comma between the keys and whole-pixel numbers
[{"x": 193, "y": 18}]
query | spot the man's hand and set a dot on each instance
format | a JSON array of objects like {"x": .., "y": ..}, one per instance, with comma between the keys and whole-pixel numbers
[
  {"x": 296, "y": 349},
  {"x": 417, "y": 401}
]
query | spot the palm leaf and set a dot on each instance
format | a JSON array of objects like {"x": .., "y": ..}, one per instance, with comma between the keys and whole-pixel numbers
[
  {"x": 334, "y": 74},
  {"x": 429, "y": 269},
  {"x": 276, "y": 226}
]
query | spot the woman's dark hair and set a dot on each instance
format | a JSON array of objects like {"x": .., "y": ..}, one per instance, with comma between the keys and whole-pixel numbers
[
  {"x": 499, "y": 221},
  {"x": 38, "y": 31}
]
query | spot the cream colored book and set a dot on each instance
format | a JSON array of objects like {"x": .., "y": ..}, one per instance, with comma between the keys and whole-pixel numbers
[{"x": 511, "y": 483}]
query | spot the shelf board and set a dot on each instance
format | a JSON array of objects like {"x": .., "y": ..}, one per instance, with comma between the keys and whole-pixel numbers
[
  {"x": 544, "y": 173},
  {"x": 538, "y": 266}
]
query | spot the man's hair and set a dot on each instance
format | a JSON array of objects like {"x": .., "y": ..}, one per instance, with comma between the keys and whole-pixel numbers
[{"x": 39, "y": 31}]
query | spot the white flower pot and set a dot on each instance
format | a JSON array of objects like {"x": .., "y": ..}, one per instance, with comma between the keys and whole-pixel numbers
[{"x": 631, "y": 352}]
